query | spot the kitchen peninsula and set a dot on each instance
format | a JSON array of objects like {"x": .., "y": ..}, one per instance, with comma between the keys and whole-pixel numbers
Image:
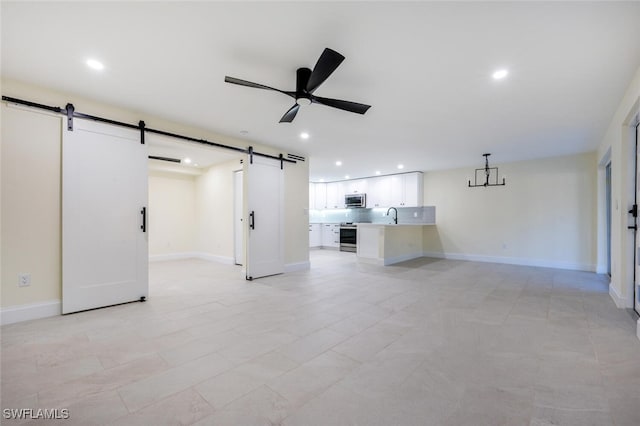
[{"x": 386, "y": 244}]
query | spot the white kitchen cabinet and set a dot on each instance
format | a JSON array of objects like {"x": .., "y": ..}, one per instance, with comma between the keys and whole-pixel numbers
[
  {"x": 320, "y": 196},
  {"x": 335, "y": 195},
  {"x": 330, "y": 235},
  {"x": 401, "y": 190},
  {"x": 315, "y": 235},
  {"x": 413, "y": 190},
  {"x": 312, "y": 196},
  {"x": 406, "y": 190},
  {"x": 379, "y": 192},
  {"x": 356, "y": 186}
]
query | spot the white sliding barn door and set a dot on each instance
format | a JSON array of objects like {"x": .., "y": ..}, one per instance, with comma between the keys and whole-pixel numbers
[
  {"x": 104, "y": 238},
  {"x": 265, "y": 199},
  {"x": 636, "y": 244}
]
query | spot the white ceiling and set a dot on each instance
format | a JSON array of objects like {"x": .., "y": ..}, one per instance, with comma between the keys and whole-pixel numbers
[
  {"x": 425, "y": 67},
  {"x": 199, "y": 156}
]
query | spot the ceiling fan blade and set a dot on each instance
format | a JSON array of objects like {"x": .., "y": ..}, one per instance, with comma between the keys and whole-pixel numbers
[
  {"x": 327, "y": 64},
  {"x": 246, "y": 83},
  {"x": 291, "y": 114},
  {"x": 344, "y": 105}
]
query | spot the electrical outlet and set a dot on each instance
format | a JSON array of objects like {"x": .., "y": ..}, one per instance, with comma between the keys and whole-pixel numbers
[
  {"x": 415, "y": 214},
  {"x": 24, "y": 280}
]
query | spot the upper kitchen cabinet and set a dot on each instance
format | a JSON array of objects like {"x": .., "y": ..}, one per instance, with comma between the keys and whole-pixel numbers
[
  {"x": 356, "y": 186},
  {"x": 317, "y": 196},
  {"x": 403, "y": 190},
  {"x": 335, "y": 195},
  {"x": 312, "y": 196},
  {"x": 379, "y": 192},
  {"x": 406, "y": 190}
]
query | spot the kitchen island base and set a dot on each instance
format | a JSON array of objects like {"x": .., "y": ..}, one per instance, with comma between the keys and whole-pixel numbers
[{"x": 381, "y": 244}]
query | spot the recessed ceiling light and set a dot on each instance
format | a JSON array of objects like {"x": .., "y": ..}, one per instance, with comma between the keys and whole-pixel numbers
[
  {"x": 346, "y": 176},
  {"x": 94, "y": 64},
  {"x": 500, "y": 74},
  {"x": 196, "y": 164},
  {"x": 304, "y": 135},
  {"x": 338, "y": 163},
  {"x": 378, "y": 172},
  {"x": 187, "y": 161},
  {"x": 401, "y": 166}
]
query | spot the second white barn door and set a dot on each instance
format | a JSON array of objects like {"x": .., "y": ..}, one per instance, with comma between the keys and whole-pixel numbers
[
  {"x": 104, "y": 202},
  {"x": 265, "y": 208},
  {"x": 637, "y": 233}
]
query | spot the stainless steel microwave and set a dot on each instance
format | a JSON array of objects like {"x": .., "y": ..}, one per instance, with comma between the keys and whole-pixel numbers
[{"x": 355, "y": 200}]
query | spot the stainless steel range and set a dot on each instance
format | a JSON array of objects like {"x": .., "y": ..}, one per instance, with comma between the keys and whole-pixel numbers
[{"x": 348, "y": 237}]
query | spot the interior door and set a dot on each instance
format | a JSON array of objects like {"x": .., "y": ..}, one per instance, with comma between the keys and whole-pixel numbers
[
  {"x": 265, "y": 208},
  {"x": 238, "y": 224},
  {"x": 104, "y": 202},
  {"x": 637, "y": 234}
]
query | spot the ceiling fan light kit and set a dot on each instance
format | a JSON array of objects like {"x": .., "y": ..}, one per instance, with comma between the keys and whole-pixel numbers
[
  {"x": 487, "y": 173},
  {"x": 307, "y": 81}
]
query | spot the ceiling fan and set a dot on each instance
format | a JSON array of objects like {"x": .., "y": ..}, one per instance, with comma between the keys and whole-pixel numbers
[{"x": 307, "y": 82}]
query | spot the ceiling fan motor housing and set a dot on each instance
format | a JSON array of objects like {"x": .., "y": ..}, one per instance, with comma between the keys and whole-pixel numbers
[{"x": 302, "y": 79}]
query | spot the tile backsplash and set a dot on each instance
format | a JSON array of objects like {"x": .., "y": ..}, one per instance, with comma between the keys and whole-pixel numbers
[{"x": 424, "y": 214}]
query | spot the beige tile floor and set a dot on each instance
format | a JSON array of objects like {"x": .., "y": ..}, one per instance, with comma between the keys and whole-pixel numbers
[{"x": 426, "y": 342}]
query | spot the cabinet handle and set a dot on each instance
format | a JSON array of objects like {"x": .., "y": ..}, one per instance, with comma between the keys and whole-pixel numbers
[{"x": 252, "y": 218}]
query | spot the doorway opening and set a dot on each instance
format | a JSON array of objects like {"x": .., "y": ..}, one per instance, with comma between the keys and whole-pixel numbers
[
  {"x": 238, "y": 224},
  {"x": 634, "y": 225},
  {"x": 191, "y": 200}
]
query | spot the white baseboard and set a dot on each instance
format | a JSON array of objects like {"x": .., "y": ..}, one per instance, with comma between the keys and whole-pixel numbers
[
  {"x": 172, "y": 256},
  {"x": 289, "y": 267},
  {"x": 191, "y": 255},
  {"x": 601, "y": 269},
  {"x": 513, "y": 261},
  {"x": 620, "y": 302},
  {"x": 298, "y": 266},
  {"x": 215, "y": 258},
  {"x": 19, "y": 313}
]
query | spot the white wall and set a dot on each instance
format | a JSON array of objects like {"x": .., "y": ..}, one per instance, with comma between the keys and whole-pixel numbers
[
  {"x": 544, "y": 216},
  {"x": 172, "y": 214},
  {"x": 30, "y": 188},
  {"x": 619, "y": 141},
  {"x": 214, "y": 211}
]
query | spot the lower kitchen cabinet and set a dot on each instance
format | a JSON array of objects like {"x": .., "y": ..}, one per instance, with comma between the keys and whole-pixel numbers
[
  {"x": 330, "y": 235},
  {"x": 324, "y": 235},
  {"x": 315, "y": 235}
]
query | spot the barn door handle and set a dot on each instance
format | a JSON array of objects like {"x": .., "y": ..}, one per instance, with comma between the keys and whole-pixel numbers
[
  {"x": 143, "y": 212},
  {"x": 252, "y": 219}
]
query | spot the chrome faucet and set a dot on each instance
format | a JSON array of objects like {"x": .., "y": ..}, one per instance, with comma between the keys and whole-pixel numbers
[{"x": 395, "y": 218}]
